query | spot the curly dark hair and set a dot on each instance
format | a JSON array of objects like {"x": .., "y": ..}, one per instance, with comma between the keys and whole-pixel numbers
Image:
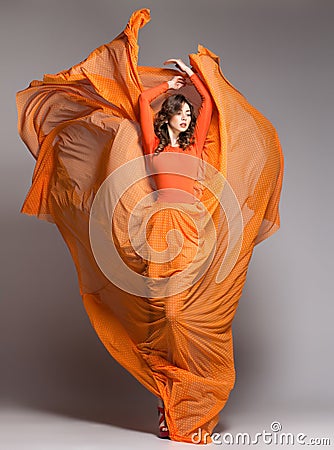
[{"x": 172, "y": 105}]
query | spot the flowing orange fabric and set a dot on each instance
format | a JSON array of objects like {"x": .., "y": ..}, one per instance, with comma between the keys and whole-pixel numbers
[{"x": 82, "y": 126}]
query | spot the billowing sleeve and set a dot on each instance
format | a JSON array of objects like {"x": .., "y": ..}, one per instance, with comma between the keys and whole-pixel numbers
[
  {"x": 204, "y": 114},
  {"x": 146, "y": 116}
]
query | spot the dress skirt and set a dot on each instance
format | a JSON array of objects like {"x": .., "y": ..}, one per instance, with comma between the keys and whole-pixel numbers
[{"x": 179, "y": 342}]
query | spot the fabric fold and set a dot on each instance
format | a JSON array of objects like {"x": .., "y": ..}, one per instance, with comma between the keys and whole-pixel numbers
[{"x": 82, "y": 127}]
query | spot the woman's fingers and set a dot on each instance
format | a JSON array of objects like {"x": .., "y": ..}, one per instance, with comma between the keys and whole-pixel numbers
[
  {"x": 179, "y": 79},
  {"x": 170, "y": 61},
  {"x": 177, "y": 82},
  {"x": 178, "y": 63},
  {"x": 180, "y": 82}
]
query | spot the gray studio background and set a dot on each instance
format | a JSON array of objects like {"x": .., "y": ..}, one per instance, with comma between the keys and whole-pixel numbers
[{"x": 279, "y": 54}]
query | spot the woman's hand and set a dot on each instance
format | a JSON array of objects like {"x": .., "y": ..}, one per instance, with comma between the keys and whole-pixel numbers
[
  {"x": 176, "y": 82},
  {"x": 180, "y": 65}
]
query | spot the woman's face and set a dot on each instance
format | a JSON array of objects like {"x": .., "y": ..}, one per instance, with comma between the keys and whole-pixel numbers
[{"x": 181, "y": 120}]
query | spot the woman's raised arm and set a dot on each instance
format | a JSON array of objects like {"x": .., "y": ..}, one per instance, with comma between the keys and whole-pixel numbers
[
  {"x": 146, "y": 115},
  {"x": 204, "y": 114}
]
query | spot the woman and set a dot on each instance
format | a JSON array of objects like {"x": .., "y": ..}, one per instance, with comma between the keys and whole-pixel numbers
[
  {"x": 82, "y": 125},
  {"x": 175, "y": 129}
]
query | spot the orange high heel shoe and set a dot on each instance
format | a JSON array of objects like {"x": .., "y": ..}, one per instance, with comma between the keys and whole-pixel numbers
[{"x": 163, "y": 430}]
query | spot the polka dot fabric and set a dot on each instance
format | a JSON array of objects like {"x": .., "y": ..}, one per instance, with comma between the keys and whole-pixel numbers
[{"x": 83, "y": 124}]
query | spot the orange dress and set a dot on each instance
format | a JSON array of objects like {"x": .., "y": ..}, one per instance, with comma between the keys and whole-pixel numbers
[
  {"x": 175, "y": 181},
  {"x": 173, "y": 333}
]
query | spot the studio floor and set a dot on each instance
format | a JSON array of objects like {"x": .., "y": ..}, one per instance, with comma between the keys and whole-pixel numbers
[{"x": 22, "y": 428}]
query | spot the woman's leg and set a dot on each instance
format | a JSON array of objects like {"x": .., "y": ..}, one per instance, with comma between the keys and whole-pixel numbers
[{"x": 163, "y": 429}]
